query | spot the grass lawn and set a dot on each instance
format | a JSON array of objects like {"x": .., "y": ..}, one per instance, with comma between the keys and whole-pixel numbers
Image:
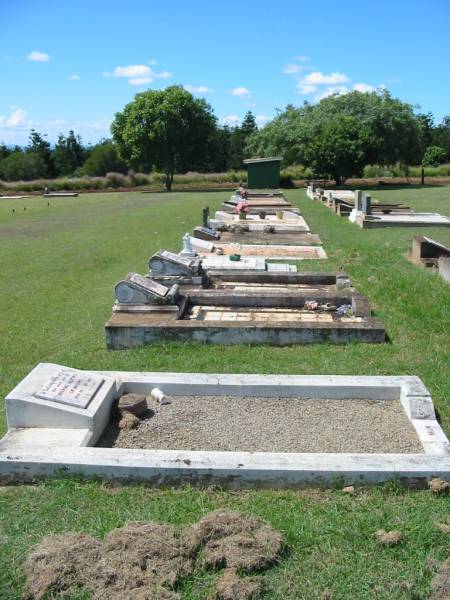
[{"x": 59, "y": 264}]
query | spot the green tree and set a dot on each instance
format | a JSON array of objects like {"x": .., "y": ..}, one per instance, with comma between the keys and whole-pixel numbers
[
  {"x": 22, "y": 166},
  {"x": 69, "y": 153},
  {"x": 5, "y": 151},
  {"x": 37, "y": 144},
  {"x": 434, "y": 156},
  {"x": 338, "y": 148},
  {"x": 104, "y": 159},
  {"x": 238, "y": 140},
  {"x": 166, "y": 128},
  {"x": 381, "y": 130},
  {"x": 441, "y": 136}
]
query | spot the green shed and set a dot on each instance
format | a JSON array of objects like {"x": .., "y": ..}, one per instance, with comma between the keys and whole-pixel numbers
[{"x": 263, "y": 173}]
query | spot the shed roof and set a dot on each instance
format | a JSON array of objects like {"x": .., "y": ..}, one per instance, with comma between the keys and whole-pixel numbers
[{"x": 249, "y": 161}]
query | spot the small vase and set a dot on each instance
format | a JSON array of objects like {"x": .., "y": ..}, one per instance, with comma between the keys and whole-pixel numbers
[{"x": 242, "y": 216}]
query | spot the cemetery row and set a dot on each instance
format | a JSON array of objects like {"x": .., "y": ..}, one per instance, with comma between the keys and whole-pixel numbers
[{"x": 227, "y": 286}]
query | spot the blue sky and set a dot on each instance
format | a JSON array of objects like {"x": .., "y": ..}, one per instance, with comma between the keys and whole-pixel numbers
[{"x": 72, "y": 64}]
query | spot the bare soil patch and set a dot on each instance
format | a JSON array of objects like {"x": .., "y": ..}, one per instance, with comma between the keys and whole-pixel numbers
[
  {"x": 440, "y": 586},
  {"x": 146, "y": 561},
  {"x": 252, "y": 424}
]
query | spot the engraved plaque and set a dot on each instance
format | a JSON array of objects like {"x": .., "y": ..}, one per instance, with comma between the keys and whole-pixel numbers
[
  {"x": 176, "y": 258},
  {"x": 71, "y": 388},
  {"x": 149, "y": 284}
]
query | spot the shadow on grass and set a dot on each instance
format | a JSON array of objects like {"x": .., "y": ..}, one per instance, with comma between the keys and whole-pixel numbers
[
  {"x": 189, "y": 189},
  {"x": 387, "y": 186}
]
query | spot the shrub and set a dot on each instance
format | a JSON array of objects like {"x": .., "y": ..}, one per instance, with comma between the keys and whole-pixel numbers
[
  {"x": 103, "y": 160},
  {"x": 434, "y": 156},
  {"x": 116, "y": 180},
  {"x": 24, "y": 166}
]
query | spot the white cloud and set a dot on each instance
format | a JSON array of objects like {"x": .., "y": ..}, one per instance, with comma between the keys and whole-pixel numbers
[
  {"x": 38, "y": 56},
  {"x": 140, "y": 80},
  {"x": 305, "y": 88},
  {"x": 231, "y": 120},
  {"x": 241, "y": 92},
  {"x": 106, "y": 74},
  {"x": 302, "y": 58},
  {"x": 17, "y": 117},
  {"x": 319, "y": 78},
  {"x": 292, "y": 69},
  {"x": 138, "y": 74},
  {"x": 363, "y": 87},
  {"x": 132, "y": 71},
  {"x": 15, "y": 129},
  {"x": 152, "y": 61},
  {"x": 261, "y": 119},
  {"x": 199, "y": 89},
  {"x": 340, "y": 90},
  {"x": 250, "y": 104},
  {"x": 74, "y": 77}
]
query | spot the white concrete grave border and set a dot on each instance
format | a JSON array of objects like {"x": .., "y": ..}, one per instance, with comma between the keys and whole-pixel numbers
[{"x": 47, "y": 439}]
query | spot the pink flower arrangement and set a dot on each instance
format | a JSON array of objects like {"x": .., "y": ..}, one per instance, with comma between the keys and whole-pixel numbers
[
  {"x": 241, "y": 207},
  {"x": 311, "y": 305}
]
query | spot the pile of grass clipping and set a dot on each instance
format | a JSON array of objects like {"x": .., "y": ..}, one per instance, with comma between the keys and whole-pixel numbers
[{"x": 146, "y": 561}]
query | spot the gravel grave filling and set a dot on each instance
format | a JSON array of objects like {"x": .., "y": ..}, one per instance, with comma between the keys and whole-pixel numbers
[{"x": 255, "y": 424}]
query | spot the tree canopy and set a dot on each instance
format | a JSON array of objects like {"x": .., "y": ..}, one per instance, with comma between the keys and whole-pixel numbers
[
  {"x": 339, "y": 135},
  {"x": 164, "y": 128}
]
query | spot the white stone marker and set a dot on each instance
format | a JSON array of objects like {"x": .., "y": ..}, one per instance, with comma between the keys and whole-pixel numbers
[{"x": 70, "y": 387}]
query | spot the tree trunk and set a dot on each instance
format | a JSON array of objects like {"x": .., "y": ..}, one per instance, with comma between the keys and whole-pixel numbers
[{"x": 169, "y": 181}]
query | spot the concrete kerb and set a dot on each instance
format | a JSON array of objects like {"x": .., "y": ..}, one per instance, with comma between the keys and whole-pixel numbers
[{"x": 30, "y": 452}]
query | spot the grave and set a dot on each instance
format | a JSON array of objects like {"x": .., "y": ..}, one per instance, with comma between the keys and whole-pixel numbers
[
  {"x": 382, "y": 428},
  {"x": 247, "y": 302},
  {"x": 136, "y": 289},
  {"x": 431, "y": 254},
  {"x": 406, "y": 219},
  {"x": 168, "y": 268},
  {"x": 290, "y": 223},
  {"x": 270, "y": 251}
]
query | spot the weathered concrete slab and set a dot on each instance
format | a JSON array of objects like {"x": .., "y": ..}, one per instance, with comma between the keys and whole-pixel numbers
[
  {"x": 58, "y": 397},
  {"x": 280, "y": 239},
  {"x": 129, "y": 331},
  {"x": 269, "y": 251},
  {"x": 410, "y": 219},
  {"x": 31, "y": 452}
]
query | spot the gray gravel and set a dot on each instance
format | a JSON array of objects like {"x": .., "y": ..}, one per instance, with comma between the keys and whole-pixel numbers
[{"x": 270, "y": 425}]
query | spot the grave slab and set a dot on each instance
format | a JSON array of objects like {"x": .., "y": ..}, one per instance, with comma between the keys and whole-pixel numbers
[{"x": 32, "y": 451}]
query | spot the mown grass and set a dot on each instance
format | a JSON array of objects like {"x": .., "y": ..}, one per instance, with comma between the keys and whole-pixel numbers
[{"x": 58, "y": 267}]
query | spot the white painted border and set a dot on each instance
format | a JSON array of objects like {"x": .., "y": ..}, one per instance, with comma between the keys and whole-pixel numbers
[{"x": 25, "y": 454}]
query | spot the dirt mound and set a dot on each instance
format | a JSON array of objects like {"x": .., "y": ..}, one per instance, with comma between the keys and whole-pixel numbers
[
  {"x": 388, "y": 538},
  {"x": 56, "y": 563},
  {"x": 144, "y": 561},
  {"x": 440, "y": 586},
  {"x": 230, "y": 586},
  {"x": 231, "y": 539},
  {"x": 438, "y": 485}
]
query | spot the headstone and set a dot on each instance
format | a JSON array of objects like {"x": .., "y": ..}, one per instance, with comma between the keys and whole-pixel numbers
[
  {"x": 70, "y": 387},
  {"x": 165, "y": 263},
  {"x": 281, "y": 268},
  {"x": 202, "y": 244},
  {"x": 367, "y": 205},
  {"x": 205, "y": 216},
  {"x": 206, "y": 233},
  {"x": 358, "y": 200},
  {"x": 187, "y": 249},
  {"x": 136, "y": 289},
  {"x": 224, "y": 263}
]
